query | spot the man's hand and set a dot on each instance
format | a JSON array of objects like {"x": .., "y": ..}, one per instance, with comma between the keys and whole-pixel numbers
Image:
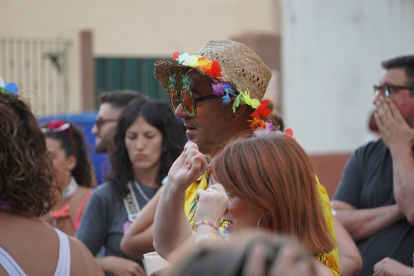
[
  {"x": 188, "y": 167},
  {"x": 390, "y": 267},
  {"x": 212, "y": 203},
  {"x": 393, "y": 128},
  {"x": 120, "y": 266}
]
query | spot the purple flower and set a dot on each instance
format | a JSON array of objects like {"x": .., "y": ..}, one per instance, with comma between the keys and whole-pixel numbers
[{"x": 218, "y": 88}]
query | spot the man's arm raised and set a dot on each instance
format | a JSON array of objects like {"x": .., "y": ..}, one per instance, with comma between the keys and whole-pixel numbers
[
  {"x": 171, "y": 227},
  {"x": 398, "y": 136},
  {"x": 363, "y": 223}
]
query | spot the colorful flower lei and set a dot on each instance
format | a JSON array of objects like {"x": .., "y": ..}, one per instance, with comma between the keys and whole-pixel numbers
[
  {"x": 213, "y": 69},
  {"x": 259, "y": 126},
  {"x": 224, "y": 89},
  {"x": 209, "y": 67},
  {"x": 8, "y": 88}
]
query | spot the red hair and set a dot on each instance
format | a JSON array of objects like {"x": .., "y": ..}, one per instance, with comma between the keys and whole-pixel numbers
[{"x": 273, "y": 173}]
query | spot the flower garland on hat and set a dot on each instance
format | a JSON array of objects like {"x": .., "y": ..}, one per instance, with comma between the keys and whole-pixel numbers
[
  {"x": 212, "y": 68},
  {"x": 8, "y": 88},
  {"x": 209, "y": 67}
]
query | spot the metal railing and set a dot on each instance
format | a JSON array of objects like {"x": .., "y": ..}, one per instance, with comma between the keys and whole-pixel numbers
[{"x": 39, "y": 66}]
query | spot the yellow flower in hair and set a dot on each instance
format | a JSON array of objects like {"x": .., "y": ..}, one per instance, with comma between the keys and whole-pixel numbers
[{"x": 255, "y": 103}]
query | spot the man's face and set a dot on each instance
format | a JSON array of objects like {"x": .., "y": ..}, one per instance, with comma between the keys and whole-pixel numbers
[
  {"x": 105, "y": 128},
  {"x": 211, "y": 123},
  {"x": 402, "y": 98}
]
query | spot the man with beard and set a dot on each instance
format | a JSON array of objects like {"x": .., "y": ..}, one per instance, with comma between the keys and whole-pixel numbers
[
  {"x": 375, "y": 199},
  {"x": 111, "y": 105}
]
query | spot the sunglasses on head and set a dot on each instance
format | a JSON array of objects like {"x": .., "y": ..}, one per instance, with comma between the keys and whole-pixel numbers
[{"x": 185, "y": 96}]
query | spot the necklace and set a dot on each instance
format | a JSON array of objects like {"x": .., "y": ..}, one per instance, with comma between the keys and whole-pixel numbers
[
  {"x": 70, "y": 189},
  {"x": 141, "y": 191}
]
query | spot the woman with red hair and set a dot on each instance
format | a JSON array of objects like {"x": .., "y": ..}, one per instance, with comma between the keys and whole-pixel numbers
[{"x": 267, "y": 183}]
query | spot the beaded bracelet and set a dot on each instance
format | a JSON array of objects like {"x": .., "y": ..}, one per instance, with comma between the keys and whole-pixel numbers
[
  {"x": 209, "y": 236},
  {"x": 205, "y": 222}
]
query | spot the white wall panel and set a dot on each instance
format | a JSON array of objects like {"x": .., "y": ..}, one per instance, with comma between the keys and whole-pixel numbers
[{"x": 332, "y": 52}]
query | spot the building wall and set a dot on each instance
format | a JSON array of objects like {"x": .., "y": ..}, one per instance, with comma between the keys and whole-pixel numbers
[
  {"x": 135, "y": 28},
  {"x": 331, "y": 55}
]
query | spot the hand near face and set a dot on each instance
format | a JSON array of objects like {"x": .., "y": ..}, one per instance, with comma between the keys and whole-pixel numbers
[
  {"x": 212, "y": 204},
  {"x": 393, "y": 128},
  {"x": 288, "y": 262},
  {"x": 390, "y": 267},
  {"x": 188, "y": 167}
]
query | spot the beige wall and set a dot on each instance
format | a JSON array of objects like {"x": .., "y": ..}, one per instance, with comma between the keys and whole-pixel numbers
[{"x": 135, "y": 27}]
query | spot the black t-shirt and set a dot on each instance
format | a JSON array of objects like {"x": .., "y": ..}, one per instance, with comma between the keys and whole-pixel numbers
[{"x": 367, "y": 182}]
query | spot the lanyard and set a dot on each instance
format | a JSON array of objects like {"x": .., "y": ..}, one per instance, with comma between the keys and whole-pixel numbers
[{"x": 131, "y": 203}]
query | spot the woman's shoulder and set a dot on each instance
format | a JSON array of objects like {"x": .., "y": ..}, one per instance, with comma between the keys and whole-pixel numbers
[
  {"x": 103, "y": 191},
  {"x": 82, "y": 261}
]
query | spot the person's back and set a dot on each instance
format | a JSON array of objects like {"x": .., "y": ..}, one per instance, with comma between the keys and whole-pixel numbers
[
  {"x": 28, "y": 246},
  {"x": 35, "y": 246}
]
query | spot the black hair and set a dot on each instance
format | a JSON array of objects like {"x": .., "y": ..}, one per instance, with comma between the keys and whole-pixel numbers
[
  {"x": 157, "y": 114},
  {"x": 404, "y": 62},
  {"x": 83, "y": 169},
  {"x": 120, "y": 98}
]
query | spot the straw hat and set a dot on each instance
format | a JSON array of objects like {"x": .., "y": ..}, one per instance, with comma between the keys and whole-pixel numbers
[{"x": 239, "y": 65}]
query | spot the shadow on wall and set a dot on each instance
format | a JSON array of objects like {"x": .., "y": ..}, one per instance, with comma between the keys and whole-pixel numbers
[{"x": 329, "y": 168}]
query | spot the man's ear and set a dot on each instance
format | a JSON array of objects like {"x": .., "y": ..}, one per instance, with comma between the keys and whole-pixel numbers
[
  {"x": 71, "y": 163},
  {"x": 240, "y": 112}
]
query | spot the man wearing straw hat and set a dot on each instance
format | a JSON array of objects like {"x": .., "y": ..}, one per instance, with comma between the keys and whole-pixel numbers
[{"x": 218, "y": 95}]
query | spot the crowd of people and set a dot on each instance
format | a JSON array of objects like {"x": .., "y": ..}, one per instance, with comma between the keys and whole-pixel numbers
[{"x": 230, "y": 193}]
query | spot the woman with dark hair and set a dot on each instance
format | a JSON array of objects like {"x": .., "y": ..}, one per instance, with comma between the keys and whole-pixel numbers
[
  {"x": 27, "y": 244},
  {"x": 73, "y": 173},
  {"x": 267, "y": 183},
  {"x": 147, "y": 141}
]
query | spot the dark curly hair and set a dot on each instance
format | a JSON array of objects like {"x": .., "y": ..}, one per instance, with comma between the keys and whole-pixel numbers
[
  {"x": 26, "y": 174},
  {"x": 83, "y": 169},
  {"x": 157, "y": 114}
]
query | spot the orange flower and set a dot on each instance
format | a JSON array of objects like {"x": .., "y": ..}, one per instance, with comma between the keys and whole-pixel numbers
[
  {"x": 262, "y": 110},
  {"x": 256, "y": 122},
  {"x": 204, "y": 64},
  {"x": 215, "y": 69},
  {"x": 176, "y": 55}
]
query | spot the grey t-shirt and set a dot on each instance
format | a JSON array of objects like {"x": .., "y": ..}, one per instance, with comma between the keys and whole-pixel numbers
[
  {"x": 104, "y": 218},
  {"x": 367, "y": 182}
]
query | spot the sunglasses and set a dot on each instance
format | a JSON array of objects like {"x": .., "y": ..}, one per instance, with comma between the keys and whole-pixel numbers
[
  {"x": 387, "y": 89},
  {"x": 185, "y": 96},
  {"x": 101, "y": 121}
]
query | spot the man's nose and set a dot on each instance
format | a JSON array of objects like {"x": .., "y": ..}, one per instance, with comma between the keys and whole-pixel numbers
[
  {"x": 180, "y": 112},
  {"x": 94, "y": 130},
  {"x": 376, "y": 97}
]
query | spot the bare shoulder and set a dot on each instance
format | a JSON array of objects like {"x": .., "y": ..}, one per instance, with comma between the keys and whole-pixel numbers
[{"x": 82, "y": 261}]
